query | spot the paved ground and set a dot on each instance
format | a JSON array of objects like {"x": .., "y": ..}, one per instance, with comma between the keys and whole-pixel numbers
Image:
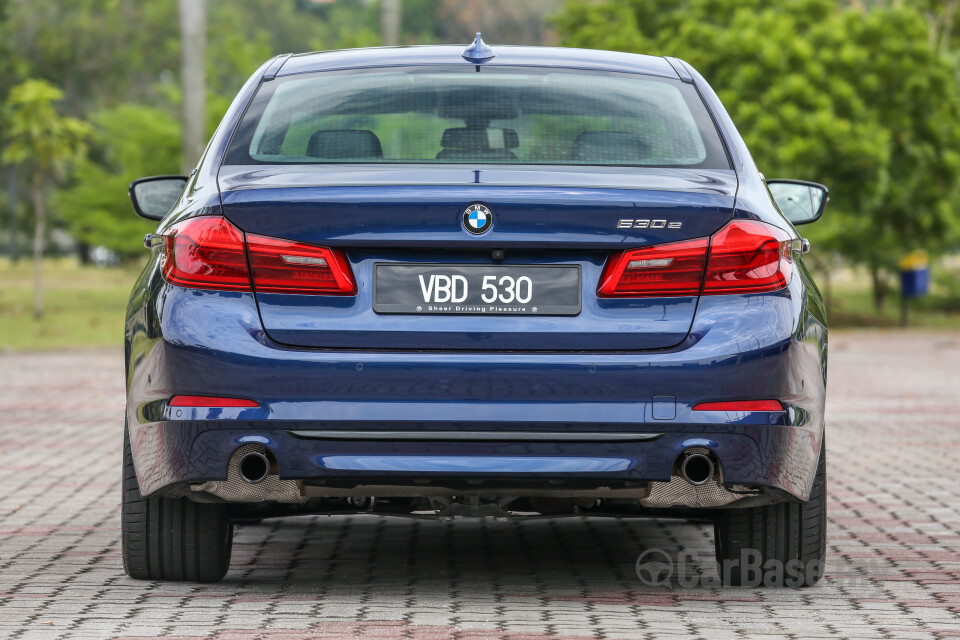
[{"x": 894, "y": 569}]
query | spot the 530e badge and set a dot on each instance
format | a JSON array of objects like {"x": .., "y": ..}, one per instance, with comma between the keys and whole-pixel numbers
[{"x": 648, "y": 224}]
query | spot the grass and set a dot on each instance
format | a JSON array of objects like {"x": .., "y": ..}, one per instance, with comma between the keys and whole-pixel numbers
[
  {"x": 83, "y": 305},
  {"x": 852, "y": 306}
]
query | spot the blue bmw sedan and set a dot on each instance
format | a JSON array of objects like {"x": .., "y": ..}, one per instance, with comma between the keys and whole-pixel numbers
[{"x": 484, "y": 281}]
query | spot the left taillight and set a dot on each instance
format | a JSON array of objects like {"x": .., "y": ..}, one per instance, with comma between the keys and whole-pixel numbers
[
  {"x": 205, "y": 252},
  {"x": 208, "y": 252},
  {"x": 282, "y": 266}
]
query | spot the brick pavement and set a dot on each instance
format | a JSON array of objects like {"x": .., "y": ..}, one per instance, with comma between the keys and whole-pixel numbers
[{"x": 894, "y": 542}]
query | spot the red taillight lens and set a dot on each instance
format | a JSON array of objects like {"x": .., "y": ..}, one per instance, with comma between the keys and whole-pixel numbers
[
  {"x": 208, "y": 252},
  {"x": 282, "y": 266},
  {"x": 205, "y": 253},
  {"x": 747, "y": 256},
  {"x": 664, "y": 270},
  {"x": 740, "y": 405},
  {"x": 210, "y": 401}
]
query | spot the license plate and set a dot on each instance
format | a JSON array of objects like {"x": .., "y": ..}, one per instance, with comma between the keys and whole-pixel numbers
[{"x": 543, "y": 290}]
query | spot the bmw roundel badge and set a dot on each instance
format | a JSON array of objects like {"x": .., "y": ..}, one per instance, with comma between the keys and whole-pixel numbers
[{"x": 477, "y": 218}]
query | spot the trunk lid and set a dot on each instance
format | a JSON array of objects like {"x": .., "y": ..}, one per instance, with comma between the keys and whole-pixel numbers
[{"x": 541, "y": 216}]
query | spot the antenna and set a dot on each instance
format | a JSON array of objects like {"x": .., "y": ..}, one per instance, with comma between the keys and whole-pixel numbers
[{"x": 478, "y": 52}]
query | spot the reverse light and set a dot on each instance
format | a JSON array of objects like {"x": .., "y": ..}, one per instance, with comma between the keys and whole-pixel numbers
[
  {"x": 210, "y": 401},
  {"x": 745, "y": 256},
  {"x": 282, "y": 266},
  {"x": 663, "y": 270},
  {"x": 740, "y": 405},
  {"x": 208, "y": 252}
]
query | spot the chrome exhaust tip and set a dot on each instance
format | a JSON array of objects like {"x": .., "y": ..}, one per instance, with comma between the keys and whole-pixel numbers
[
  {"x": 697, "y": 469},
  {"x": 253, "y": 467}
]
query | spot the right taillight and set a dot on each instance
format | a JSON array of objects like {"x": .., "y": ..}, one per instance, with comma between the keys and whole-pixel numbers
[
  {"x": 660, "y": 271},
  {"x": 745, "y": 256}
]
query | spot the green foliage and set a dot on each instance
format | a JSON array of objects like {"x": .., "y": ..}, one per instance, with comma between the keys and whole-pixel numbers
[
  {"x": 107, "y": 52},
  {"x": 37, "y": 136},
  {"x": 859, "y": 100},
  {"x": 131, "y": 141},
  {"x": 133, "y": 99},
  {"x": 99, "y": 51},
  {"x": 44, "y": 142},
  {"x": 347, "y": 24}
]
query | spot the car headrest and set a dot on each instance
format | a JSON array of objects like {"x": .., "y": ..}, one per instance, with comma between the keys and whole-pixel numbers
[
  {"x": 609, "y": 147},
  {"x": 344, "y": 144},
  {"x": 480, "y": 139}
]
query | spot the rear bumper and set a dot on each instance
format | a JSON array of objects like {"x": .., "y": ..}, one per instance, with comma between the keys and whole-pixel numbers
[
  {"x": 756, "y": 346},
  {"x": 170, "y": 453}
]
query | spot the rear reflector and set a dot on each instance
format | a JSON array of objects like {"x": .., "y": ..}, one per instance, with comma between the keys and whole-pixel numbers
[
  {"x": 210, "y": 401},
  {"x": 663, "y": 270},
  {"x": 741, "y": 405},
  {"x": 208, "y": 252},
  {"x": 205, "y": 252},
  {"x": 745, "y": 256},
  {"x": 282, "y": 266}
]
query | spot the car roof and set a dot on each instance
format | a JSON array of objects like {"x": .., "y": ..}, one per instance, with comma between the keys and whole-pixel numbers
[{"x": 559, "y": 57}]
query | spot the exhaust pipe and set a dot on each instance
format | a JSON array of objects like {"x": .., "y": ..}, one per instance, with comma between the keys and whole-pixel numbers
[
  {"x": 253, "y": 467},
  {"x": 696, "y": 468}
]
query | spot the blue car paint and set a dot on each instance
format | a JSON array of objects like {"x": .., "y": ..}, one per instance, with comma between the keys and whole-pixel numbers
[
  {"x": 350, "y": 323},
  {"x": 506, "y": 56},
  {"x": 183, "y": 341}
]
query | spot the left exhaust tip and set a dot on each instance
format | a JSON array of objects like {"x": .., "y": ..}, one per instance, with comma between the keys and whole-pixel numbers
[
  {"x": 697, "y": 469},
  {"x": 253, "y": 467}
]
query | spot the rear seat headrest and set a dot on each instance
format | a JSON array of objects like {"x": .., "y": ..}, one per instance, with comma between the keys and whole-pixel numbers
[
  {"x": 609, "y": 147},
  {"x": 344, "y": 144},
  {"x": 480, "y": 139}
]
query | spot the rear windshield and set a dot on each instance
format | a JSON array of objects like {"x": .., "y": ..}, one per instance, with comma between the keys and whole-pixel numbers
[{"x": 497, "y": 115}]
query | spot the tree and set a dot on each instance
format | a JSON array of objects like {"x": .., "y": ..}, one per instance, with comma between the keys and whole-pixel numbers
[
  {"x": 12, "y": 69},
  {"x": 501, "y": 21},
  {"x": 129, "y": 141},
  {"x": 861, "y": 100},
  {"x": 193, "y": 42},
  {"x": 390, "y": 14},
  {"x": 44, "y": 142},
  {"x": 100, "y": 52}
]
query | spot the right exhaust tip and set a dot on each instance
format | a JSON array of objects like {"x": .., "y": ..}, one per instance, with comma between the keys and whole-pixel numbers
[
  {"x": 697, "y": 469},
  {"x": 253, "y": 467}
]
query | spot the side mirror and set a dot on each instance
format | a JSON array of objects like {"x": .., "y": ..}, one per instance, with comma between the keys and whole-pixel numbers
[
  {"x": 801, "y": 202},
  {"x": 154, "y": 197}
]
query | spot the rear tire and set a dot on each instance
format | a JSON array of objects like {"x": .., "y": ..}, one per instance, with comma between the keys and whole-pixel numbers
[
  {"x": 778, "y": 545},
  {"x": 171, "y": 538}
]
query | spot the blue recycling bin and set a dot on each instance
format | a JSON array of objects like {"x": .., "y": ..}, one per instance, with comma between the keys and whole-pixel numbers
[{"x": 914, "y": 282}]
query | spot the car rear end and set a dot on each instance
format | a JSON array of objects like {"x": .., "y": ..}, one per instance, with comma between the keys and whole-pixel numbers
[{"x": 453, "y": 289}]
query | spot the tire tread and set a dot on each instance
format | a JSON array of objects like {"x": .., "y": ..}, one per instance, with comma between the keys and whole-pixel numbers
[
  {"x": 781, "y": 532},
  {"x": 171, "y": 538}
]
